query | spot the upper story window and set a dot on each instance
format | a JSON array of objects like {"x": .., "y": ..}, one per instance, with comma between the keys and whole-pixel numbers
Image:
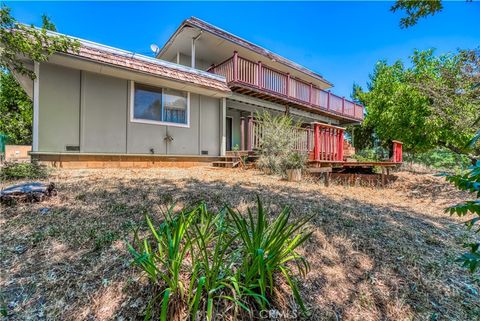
[{"x": 160, "y": 105}]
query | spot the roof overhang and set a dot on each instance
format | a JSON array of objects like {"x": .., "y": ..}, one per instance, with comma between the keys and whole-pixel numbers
[{"x": 215, "y": 45}]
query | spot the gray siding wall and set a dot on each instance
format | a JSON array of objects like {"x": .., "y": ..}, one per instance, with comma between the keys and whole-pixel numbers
[
  {"x": 93, "y": 111},
  {"x": 104, "y": 114},
  {"x": 59, "y": 115}
]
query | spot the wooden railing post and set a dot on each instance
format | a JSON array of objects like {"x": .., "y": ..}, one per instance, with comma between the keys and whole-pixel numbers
[
  {"x": 288, "y": 84},
  {"x": 235, "y": 66},
  {"x": 397, "y": 151},
  {"x": 311, "y": 94},
  {"x": 316, "y": 141},
  {"x": 308, "y": 139},
  {"x": 250, "y": 133},
  {"x": 242, "y": 133},
  {"x": 260, "y": 75},
  {"x": 340, "y": 145},
  {"x": 328, "y": 100},
  {"x": 343, "y": 105}
]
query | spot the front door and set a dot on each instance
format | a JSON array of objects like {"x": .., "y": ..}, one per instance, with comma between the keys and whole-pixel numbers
[{"x": 229, "y": 133}]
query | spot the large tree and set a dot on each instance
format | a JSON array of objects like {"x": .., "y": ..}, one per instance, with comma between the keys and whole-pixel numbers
[
  {"x": 18, "y": 40},
  {"x": 433, "y": 103}
]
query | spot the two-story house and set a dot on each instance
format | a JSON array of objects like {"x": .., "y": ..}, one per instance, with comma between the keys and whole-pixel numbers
[{"x": 103, "y": 106}]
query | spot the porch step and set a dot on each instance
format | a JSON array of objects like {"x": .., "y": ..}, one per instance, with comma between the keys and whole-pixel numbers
[{"x": 226, "y": 164}]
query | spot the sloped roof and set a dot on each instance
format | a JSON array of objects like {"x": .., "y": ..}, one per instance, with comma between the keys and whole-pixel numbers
[
  {"x": 202, "y": 25},
  {"x": 129, "y": 60}
]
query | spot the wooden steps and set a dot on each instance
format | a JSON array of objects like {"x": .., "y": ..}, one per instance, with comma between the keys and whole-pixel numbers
[{"x": 226, "y": 164}]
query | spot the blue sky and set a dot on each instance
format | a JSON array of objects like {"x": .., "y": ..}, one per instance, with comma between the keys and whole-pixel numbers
[{"x": 340, "y": 40}]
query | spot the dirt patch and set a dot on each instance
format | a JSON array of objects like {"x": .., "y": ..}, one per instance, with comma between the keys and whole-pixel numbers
[{"x": 376, "y": 254}]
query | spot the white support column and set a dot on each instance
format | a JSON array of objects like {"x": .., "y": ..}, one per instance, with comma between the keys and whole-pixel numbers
[
  {"x": 223, "y": 126},
  {"x": 36, "y": 105},
  {"x": 193, "y": 53}
]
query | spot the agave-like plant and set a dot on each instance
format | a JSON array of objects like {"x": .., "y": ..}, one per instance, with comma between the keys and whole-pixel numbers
[
  {"x": 231, "y": 261},
  {"x": 211, "y": 241},
  {"x": 268, "y": 248},
  {"x": 164, "y": 261}
]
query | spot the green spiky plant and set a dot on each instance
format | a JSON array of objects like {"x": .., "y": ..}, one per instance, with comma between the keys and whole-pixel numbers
[
  {"x": 269, "y": 248},
  {"x": 232, "y": 262}
]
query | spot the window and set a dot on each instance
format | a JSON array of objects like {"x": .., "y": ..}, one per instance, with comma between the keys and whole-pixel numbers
[{"x": 160, "y": 105}]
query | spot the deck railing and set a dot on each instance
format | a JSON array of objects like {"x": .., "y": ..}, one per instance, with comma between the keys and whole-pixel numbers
[
  {"x": 260, "y": 76},
  {"x": 324, "y": 142}
]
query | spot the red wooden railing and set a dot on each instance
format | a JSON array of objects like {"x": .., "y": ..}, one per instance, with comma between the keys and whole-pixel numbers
[
  {"x": 325, "y": 141},
  {"x": 328, "y": 142},
  {"x": 397, "y": 151},
  {"x": 257, "y": 75}
]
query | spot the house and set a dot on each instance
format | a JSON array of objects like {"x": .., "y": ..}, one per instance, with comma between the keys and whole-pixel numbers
[{"x": 193, "y": 103}]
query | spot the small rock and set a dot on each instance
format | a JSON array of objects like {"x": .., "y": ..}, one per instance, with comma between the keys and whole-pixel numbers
[
  {"x": 20, "y": 249},
  {"x": 44, "y": 210}
]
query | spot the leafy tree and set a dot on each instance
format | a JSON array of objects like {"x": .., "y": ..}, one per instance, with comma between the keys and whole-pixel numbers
[
  {"x": 415, "y": 10},
  {"x": 432, "y": 104},
  {"x": 17, "y": 39},
  {"x": 34, "y": 44},
  {"x": 469, "y": 182},
  {"x": 16, "y": 110}
]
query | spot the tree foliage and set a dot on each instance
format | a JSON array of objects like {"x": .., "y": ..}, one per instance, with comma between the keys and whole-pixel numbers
[
  {"x": 415, "y": 10},
  {"x": 469, "y": 182},
  {"x": 16, "y": 110},
  {"x": 18, "y": 40},
  {"x": 433, "y": 103}
]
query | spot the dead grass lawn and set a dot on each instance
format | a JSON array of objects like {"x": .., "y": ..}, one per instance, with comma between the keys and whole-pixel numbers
[{"x": 376, "y": 254}]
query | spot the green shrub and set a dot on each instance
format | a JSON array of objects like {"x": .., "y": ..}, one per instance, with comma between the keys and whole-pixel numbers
[
  {"x": 294, "y": 160},
  {"x": 441, "y": 159},
  {"x": 469, "y": 182},
  {"x": 276, "y": 146},
  {"x": 13, "y": 171},
  {"x": 210, "y": 262},
  {"x": 374, "y": 154}
]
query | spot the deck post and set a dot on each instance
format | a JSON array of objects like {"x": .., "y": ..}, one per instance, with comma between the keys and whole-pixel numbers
[
  {"x": 383, "y": 176},
  {"x": 397, "y": 151},
  {"x": 288, "y": 85},
  {"x": 260, "y": 75},
  {"x": 249, "y": 133},
  {"x": 242, "y": 133},
  {"x": 340, "y": 144},
  {"x": 328, "y": 100},
  {"x": 311, "y": 94},
  {"x": 308, "y": 138},
  {"x": 316, "y": 141},
  {"x": 343, "y": 105},
  {"x": 223, "y": 126},
  {"x": 235, "y": 65}
]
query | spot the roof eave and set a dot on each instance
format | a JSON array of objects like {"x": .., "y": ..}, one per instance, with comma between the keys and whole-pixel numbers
[{"x": 205, "y": 26}]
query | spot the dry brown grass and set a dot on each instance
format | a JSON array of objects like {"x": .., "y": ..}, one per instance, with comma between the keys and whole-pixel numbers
[{"x": 376, "y": 254}]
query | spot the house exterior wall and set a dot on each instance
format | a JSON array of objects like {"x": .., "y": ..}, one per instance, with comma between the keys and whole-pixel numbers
[
  {"x": 59, "y": 115},
  {"x": 103, "y": 113},
  {"x": 92, "y": 111}
]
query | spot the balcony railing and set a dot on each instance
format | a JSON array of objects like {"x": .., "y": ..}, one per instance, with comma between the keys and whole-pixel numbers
[{"x": 259, "y": 76}]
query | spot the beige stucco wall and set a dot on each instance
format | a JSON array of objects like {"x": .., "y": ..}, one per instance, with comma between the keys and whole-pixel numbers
[{"x": 93, "y": 111}]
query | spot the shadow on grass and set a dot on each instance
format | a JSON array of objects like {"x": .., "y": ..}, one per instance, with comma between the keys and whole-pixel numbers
[{"x": 369, "y": 262}]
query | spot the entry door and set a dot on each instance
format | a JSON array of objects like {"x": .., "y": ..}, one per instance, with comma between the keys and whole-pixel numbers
[{"x": 229, "y": 133}]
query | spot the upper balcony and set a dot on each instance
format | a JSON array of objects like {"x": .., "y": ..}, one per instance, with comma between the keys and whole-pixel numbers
[{"x": 258, "y": 79}]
